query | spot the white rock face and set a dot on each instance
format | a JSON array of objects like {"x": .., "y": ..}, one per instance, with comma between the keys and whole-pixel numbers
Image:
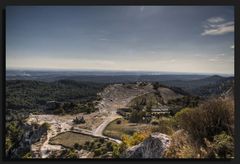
[{"x": 152, "y": 147}]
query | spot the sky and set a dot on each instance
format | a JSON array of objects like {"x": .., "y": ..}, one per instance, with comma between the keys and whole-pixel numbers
[{"x": 194, "y": 39}]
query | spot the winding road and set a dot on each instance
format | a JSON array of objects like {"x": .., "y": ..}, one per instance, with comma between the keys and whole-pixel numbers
[{"x": 113, "y": 97}]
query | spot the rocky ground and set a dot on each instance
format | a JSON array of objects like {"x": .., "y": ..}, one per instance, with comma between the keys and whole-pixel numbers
[{"x": 152, "y": 147}]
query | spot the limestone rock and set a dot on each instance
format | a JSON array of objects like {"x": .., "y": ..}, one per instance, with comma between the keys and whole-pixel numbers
[{"x": 152, "y": 147}]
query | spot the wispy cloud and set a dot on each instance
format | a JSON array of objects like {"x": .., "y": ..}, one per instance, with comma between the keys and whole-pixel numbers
[
  {"x": 217, "y": 26},
  {"x": 215, "y": 20},
  {"x": 217, "y": 58},
  {"x": 221, "y": 54},
  {"x": 213, "y": 59}
]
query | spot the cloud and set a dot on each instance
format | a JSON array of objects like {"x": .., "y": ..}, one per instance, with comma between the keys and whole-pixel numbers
[
  {"x": 221, "y": 54},
  {"x": 232, "y": 46},
  {"x": 217, "y": 58},
  {"x": 213, "y": 60},
  {"x": 217, "y": 26},
  {"x": 215, "y": 20}
]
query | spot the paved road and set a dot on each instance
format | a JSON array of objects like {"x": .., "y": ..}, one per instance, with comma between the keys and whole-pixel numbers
[{"x": 99, "y": 131}]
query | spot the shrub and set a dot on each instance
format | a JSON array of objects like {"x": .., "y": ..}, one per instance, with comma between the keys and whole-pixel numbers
[
  {"x": 77, "y": 146},
  {"x": 46, "y": 125},
  {"x": 101, "y": 140},
  {"x": 154, "y": 122},
  {"x": 109, "y": 146},
  {"x": 136, "y": 138},
  {"x": 118, "y": 150},
  {"x": 181, "y": 146},
  {"x": 97, "y": 152},
  {"x": 165, "y": 125},
  {"x": 119, "y": 122},
  {"x": 136, "y": 116},
  {"x": 87, "y": 143},
  {"x": 70, "y": 153},
  {"x": 208, "y": 120},
  {"x": 221, "y": 147}
]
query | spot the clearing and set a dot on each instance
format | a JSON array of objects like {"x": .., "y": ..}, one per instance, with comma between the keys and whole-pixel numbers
[{"x": 115, "y": 130}]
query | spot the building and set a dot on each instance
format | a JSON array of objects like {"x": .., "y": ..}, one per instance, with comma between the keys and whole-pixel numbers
[{"x": 162, "y": 110}]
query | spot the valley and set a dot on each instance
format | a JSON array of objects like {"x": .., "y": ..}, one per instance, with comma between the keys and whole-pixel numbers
[{"x": 107, "y": 122}]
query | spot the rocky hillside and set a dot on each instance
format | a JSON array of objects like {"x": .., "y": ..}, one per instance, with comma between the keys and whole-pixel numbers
[
  {"x": 32, "y": 134},
  {"x": 161, "y": 95},
  {"x": 168, "y": 94},
  {"x": 223, "y": 87},
  {"x": 119, "y": 95}
]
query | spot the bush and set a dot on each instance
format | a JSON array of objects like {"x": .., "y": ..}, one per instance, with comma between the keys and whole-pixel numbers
[
  {"x": 208, "y": 120},
  {"x": 46, "y": 125},
  {"x": 118, "y": 150},
  {"x": 136, "y": 138},
  {"x": 109, "y": 146},
  {"x": 136, "y": 116},
  {"x": 87, "y": 143},
  {"x": 70, "y": 153},
  {"x": 119, "y": 122},
  {"x": 181, "y": 146},
  {"x": 77, "y": 146},
  {"x": 165, "y": 125},
  {"x": 154, "y": 122},
  {"x": 221, "y": 147},
  {"x": 97, "y": 152},
  {"x": 101, "y": 140}
]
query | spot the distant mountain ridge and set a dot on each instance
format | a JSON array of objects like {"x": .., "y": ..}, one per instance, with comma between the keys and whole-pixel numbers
[
  {"x": 222, "y": 87},
  {"x": 102, "y": 77}
]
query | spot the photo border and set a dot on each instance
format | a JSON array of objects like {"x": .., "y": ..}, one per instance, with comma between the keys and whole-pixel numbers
[{"x": 234, "y": 3}]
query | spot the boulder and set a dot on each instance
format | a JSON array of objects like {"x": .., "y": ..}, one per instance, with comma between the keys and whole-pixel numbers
[{"x": 152, "y": 147}]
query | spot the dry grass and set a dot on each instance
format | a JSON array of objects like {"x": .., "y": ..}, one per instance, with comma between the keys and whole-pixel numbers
[
  {"x": 208, "y": 120},
  {"x": 117, "y": 131},
  {"x": 68, "y": 139},
  {"x": 182, "y": 146}
]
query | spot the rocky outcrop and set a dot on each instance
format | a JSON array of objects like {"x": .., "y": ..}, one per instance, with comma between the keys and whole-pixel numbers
[
  {"x": 152, "y": 147},
  {"x": 32, "y": 134}
]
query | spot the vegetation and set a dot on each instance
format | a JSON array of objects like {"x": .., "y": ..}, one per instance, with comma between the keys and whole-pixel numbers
[
  {"x": 198, "y": 128},
  {"x": 34, "y": 95},
  {"x": 207, "y": 133},
  {"x": 129, "y": 141},
  {"x": 28, "y": 96},
  {"x": 69, "y": 153},
  {"x": 165, "y": 125},
  {"x": 46, "y": 125},
  {"x": 77, "y": 141},
  {"x": 69, "y": 139},
  {"x": 147, "y": 100},
  {"x": 184, "y": 102},
  {"x": 208, "y": 120},
  {"x": 79, "y": 120},
  {"x": 117, "y": 131}
]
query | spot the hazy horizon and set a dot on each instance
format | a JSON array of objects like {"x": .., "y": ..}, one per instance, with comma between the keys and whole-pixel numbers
[
  {"x": 140, "y": 72},
  {"x": 182, "y": 39}
]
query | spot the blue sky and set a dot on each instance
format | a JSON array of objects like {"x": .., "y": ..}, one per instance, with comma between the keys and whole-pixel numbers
[{"x": 151, "y": 38}]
